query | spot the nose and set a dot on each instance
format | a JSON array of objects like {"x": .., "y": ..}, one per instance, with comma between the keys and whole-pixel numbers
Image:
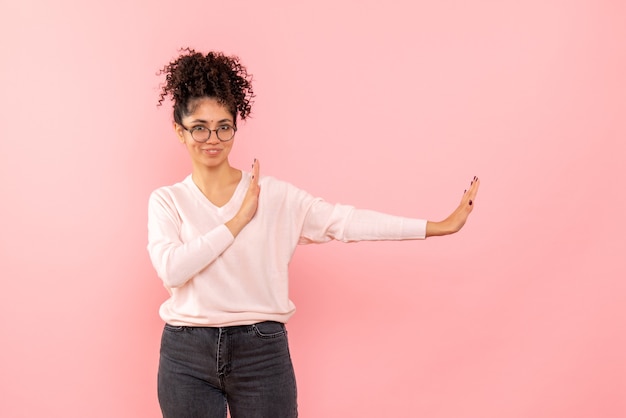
[{"x": 213, "y": 139}]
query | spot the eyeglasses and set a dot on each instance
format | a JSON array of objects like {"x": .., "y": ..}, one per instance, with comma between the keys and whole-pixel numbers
[{"x": 202, "y": 134}]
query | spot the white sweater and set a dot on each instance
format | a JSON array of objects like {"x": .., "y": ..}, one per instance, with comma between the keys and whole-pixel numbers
[{"x": 217, "y": 280}]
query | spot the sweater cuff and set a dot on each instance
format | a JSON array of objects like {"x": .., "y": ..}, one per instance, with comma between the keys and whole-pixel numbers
[
  {"x": 221, "y": 238},
  {"x": 414, "y": 228}
]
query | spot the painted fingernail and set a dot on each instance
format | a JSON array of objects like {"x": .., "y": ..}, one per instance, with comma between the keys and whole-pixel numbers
[
  {"x": 470, "y": 202},
  {"x": 253, "y": 179},
  {"x": 465, "y": 191},
  {"x": 471, "y": 183}
]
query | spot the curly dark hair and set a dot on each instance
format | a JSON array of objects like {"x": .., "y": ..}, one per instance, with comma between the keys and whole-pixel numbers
[{"x": 193, "y": 75}]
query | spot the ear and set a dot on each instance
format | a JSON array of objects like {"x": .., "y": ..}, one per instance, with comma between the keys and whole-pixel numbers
[{"x": 180, "y": 132}]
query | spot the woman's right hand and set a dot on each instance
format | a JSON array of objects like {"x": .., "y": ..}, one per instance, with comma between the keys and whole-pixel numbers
[{"x": 250, "y": 203}]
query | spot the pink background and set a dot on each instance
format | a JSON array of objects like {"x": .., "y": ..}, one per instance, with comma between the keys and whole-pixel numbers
[{"x": 392, "y": 106}]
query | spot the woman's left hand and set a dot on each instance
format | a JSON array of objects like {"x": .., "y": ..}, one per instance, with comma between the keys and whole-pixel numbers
[{"x": 457, "y": 219}]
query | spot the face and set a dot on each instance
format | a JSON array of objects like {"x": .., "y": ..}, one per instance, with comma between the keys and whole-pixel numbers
[{"x": 207, "y": 113}]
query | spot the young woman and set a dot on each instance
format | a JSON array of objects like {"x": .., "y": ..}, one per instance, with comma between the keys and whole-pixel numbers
[{"x": 221, "y": 241}]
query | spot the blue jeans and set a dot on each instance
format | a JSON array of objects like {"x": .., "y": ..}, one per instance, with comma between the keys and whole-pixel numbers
[{"x": 247, "y": 369}]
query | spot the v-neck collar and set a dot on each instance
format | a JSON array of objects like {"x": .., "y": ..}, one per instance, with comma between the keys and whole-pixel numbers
[{"x": 245, "y": 178}]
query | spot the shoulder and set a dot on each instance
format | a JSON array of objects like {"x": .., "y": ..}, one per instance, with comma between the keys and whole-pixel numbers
[
  {"x": 271, "y": 181},
  {"x": 274, "y": 185},
  {"x": 280, "y": 193},
  {"x": 173, "y": 192}
]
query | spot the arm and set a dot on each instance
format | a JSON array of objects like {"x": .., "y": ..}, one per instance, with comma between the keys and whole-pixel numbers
[
  {"x": 175, "y": 261},
  {"x": 325, "y": 221},
  {"x": 457, "y": 219}
]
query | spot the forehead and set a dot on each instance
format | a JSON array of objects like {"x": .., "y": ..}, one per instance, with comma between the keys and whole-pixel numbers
[{"x": 207, "y": 109}]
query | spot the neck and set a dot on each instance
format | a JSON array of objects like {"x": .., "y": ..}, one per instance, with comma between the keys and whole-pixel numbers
[{"x": 210, "y": 179}]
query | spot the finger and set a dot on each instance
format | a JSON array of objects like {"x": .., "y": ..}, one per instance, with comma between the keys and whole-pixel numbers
[
  {"x": 255, "y": 171},
  {"x": 471, "y": 194},
  {"x": 473, "y": 190}
]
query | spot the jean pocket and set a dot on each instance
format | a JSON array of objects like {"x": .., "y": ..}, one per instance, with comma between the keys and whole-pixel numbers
[
  {"x": 269, "y": 329},
  {"x": 174, "y": 328}
]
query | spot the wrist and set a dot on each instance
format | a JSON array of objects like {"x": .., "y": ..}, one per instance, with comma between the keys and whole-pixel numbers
[
  {"x": 437, "y": 229},
  {"x": 236, "y": 224}
]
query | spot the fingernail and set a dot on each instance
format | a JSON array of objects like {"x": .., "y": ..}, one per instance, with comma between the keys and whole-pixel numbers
[
  {"x": 465, "y": 191},
  {"x": 471, "y": 182},
  {"x": 253, "y": 179},
  {"x": 470, "y": 202}
]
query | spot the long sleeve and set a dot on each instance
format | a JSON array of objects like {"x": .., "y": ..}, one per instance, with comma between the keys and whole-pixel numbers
[
  {"x": 325, "y": 222},
  {"x": 174, "y": 261}
]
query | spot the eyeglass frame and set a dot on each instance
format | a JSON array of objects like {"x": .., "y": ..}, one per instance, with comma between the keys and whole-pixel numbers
[{"x": 233, "y": 127}]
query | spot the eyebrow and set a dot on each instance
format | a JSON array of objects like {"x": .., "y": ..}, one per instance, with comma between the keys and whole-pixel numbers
[{"x": 206, "y": 122}]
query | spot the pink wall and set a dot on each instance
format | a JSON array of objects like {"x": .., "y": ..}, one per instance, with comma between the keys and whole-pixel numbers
[{"x": 520, "y": 315}]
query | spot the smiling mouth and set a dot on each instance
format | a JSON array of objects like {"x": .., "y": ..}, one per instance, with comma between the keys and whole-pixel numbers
[{"x": 212, "y": 151}]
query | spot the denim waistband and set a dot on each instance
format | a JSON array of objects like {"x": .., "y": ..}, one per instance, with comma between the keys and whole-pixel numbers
[{"x": 232, "y": 329}]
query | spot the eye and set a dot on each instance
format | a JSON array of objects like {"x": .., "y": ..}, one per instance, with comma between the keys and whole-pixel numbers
[
  {"x": 199, "y": 128},
  {"x": 225, "y": 128}
]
